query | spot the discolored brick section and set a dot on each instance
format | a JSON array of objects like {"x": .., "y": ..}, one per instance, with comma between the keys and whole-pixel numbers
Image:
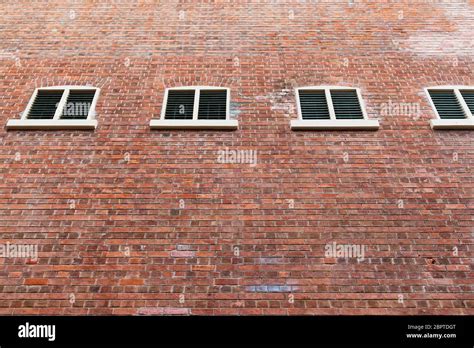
[{"x": 135, "y": 221}]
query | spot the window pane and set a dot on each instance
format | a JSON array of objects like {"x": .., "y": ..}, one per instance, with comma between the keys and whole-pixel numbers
[
  {"x": 180, "y": 105},
  {"x": 45, "y": 104},
  {"x": 78, "y": 104},
  {"x": 212, "y": 105},
  {"x": 314, "y": 105},
  {"x": 346, "y": 105},
  {"x": 447, "y": 104},
  {"x": 469, "y": 99}
]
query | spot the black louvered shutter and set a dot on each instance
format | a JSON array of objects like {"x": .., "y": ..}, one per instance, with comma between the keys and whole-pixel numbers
[
  {"x": 346, "y": 105},
  {"x": 78, "y": 104},
  {"x": 212, "y": 105},
  {"x": 180, "y": 105},
  {"x": 45, "y": 104},
  {"x": 469, "y": 99},
  {"x": 447, "y": 104},
  {"x": 314, "y": 105}
]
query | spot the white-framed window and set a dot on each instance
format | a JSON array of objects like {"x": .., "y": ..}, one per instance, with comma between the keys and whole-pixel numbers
[
  {"x": 59, "y": 107},
  {"x": 331, "y": 107},
  {"x": 195, "y": 107},
  {"x": 453, "y": 106}
]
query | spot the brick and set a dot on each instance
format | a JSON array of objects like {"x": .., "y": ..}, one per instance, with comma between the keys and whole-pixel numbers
[
  {"x": 180, "y": 253},
  {"x": 36, "y": 281},
  {"x": 131, "y": 282},
  {"x": 164, "y": 311}
]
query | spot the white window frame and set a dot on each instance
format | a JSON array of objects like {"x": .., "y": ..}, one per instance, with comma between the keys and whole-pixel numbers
[
  {"x": 194, "y": 123},
  {"x": 332, "y": 123},
  {"x": 56, "y": 122},
  {"x": 440, "y": 123}
]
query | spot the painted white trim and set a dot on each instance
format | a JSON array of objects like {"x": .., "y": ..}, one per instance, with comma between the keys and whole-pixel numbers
[
  {"x": 227, "y": 108},
  {"x": 362, "y": 104},
  {"x": 92, "y": 113},
  {"x": 60, "y": 107},
  {"x": 163, "y": 107},
  {"x": 298, "y": 103},
  {"x": 29, "y": 105},
  {"x": 51, "y": 124},
  {"x": 194, "y": 124},
  {"x": 451, "y": 123},
  {"x": 332, "y": 113},
  {"x": 334, "y": 125},
  {"x": 463, "y": 103},
  {"x": 465, "y": 123},
  {"x": 430, "y": 101},
  {"x": 197, "y": 93}
]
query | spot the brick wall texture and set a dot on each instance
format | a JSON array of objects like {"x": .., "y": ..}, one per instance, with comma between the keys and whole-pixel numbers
[{"x": 129, "y": 220}]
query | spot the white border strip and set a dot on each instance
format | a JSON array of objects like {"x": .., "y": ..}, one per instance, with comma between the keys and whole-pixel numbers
[
  {"x": 51, "y": 124},
  {"x": 194, "y": 124},
  {"x": 334, "y": 125}
]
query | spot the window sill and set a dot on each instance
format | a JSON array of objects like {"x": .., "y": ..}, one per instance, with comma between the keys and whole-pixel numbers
[
  {"x": 194, "y": 124},
  {"x": 51, "y": 124},
  {"x": 452, "y": 124},
  {"x": 334, "y": 125}
]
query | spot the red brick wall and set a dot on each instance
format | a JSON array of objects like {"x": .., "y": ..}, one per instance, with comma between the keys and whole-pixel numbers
[{"x": 104, "y": 206}]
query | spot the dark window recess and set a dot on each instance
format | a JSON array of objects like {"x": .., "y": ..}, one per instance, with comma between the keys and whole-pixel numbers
[
  {"x": 212, "y": 105},
  {"x": 346, "y": 105},
  {"x": 447, "y": 104},
  {"x": 469, "y": 99},
  {"x": 180, "y": 105},
  {"x": 45, "y": 104},
  {"x": 314, "y": 105},
  {"x": 78, "y": 104}
]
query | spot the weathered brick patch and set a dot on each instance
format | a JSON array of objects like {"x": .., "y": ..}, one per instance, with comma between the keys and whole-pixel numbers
[{"x": 163, "y": 311}]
